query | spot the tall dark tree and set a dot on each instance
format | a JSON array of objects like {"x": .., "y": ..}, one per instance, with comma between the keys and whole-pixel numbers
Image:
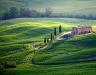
[
  {"x": 6, "y": 15},
  {"x": 60, "y": 29},
  {"x": 22, "y": 12},
  {"x": 35, "y": 13},
  {"x": 13, "y": 12},
  {"x": 48, "y": 12},
  {"x": 28, "y": 12},
  {"x": 45, "y": 40},
  {"x": 55, "y": 31},
  {"x": 51, "y": 36}
]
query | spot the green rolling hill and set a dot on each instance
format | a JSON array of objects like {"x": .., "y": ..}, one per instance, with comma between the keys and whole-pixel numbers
[
  {"x": 72, "y": 50},
  {"x": 73, "y": 56},
  {"x": 15, "y": 37}
]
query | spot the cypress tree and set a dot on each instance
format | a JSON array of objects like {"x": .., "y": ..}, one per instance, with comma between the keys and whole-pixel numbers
[
  {"x": 55, "y": 31},
  {"x": 60, "y": 30},
  {"x": 51, "y": 36},
  {"x": 45, "y": 40}
]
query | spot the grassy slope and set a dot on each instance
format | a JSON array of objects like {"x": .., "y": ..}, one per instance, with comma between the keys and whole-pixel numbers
[
  {"x": 75, "y": 50},
  {"x": 15, "y": 44},
  {"x": 67, "y": 69},
  {"x": 17, "y": 37}
]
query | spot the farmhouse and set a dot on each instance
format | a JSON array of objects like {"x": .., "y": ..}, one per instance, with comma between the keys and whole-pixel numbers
[{"x": 81, "y": 30}]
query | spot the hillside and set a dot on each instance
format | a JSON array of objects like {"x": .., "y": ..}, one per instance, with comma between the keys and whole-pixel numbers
[
  {"x": 18, "y": 37},
  {"x": 72, "y": 50},
  {"x": 73, "y": 56},
  {"x": 64, "y": 58}
]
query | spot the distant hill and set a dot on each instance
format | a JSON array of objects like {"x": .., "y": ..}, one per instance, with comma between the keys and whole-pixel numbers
[
  {"x": 59, "y": 6},
  {"x": 6, "y": 4}
]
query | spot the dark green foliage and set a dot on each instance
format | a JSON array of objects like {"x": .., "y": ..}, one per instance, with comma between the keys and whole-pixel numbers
[
  {"x": 10, "y": 64},
  {"x": 51, "y": 36},
  {"x": 1, "y": 66},
  {"x": 13, "y": 12},
  {"x": 7, "y": 64},
  {"x": 55, "y": 31},
  {"x": 60, "y": 29},
  {"x": 48, "y": 12},
  {"x": 45, "y": 40}
]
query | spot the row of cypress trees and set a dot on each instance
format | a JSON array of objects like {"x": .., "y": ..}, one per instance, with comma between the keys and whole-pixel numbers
[{"x": 52, "y": 36}]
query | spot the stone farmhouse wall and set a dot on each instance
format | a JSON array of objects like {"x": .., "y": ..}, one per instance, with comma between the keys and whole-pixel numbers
[{"x": 81, "y": 30}]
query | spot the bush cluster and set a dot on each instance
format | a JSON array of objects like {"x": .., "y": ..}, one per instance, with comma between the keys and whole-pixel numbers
[{"x": 7, "y": 64}]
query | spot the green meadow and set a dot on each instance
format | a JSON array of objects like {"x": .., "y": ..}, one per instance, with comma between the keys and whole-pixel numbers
[{"x": 70, "y": 56}]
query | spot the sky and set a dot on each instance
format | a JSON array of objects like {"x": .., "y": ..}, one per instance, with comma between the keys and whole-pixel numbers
[{"x": 58, "y": 6}]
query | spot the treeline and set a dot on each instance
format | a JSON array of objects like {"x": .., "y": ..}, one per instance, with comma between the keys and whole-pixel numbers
[
  {"x": 80, "y": 16},
  {"x": 83, "y": 16},
  {"x": 15, "y": 12}
]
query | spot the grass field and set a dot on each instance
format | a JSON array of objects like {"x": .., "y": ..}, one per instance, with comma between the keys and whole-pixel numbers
[
  {"x": 16, "y": 36},
  {"x": 73, "y": 50},
  {"x": 73, "y": 56}
]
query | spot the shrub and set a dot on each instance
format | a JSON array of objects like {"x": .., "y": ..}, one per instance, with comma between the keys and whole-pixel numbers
[
  {"x": 8, "y": 64},
  {"x": 1, "y": 66}
]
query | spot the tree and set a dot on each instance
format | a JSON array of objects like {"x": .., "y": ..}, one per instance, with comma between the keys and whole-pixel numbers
[
  {"x": 27, "y": 12},
  {"x": 13, "y": 12},
  {"x": 55, "y": 31},
  {"x": 22, "y": 12},
  {"x": 48, "y": 12},
  {"x": 6, "y": 16},
  {"x": 34, "y": 13},
  {"x": 45, "y": 40},
  {"x": 60, "y": 29},
  {"x": 51, "y": 36}
]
